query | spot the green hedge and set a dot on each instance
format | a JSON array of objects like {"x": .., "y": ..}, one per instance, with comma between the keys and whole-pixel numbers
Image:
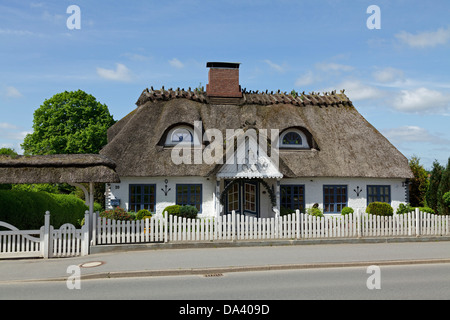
[
  {"x": 405, "y": 208},
  {"x": 380, "y": 209},
  {"x": 185, "y": 211},
  {"x": 26, "y": 210}
]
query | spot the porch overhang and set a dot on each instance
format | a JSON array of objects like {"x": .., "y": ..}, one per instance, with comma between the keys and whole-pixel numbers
[
  {"x": 263, "y": 168},
  {"x": 59, "y": 168}
]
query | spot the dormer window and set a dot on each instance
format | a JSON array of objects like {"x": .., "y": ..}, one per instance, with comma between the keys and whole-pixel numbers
[
  {"x": 293, "y": 139},
  {"x": 181, "y": 134}
]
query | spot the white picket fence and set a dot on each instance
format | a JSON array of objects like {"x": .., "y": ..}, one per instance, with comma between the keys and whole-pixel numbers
[
  {"x": 68, "y": 241},
  {"x": 236, "y": 227},
  {"x": 47, "y": 242}
]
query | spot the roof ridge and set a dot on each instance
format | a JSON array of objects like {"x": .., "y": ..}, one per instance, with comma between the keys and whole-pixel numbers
[{"x": 250, "y": 97}]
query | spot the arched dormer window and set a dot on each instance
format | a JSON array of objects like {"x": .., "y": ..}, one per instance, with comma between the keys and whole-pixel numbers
[
  {"x": 181, "y": 134},
  {"x": 293, "y": 139}
]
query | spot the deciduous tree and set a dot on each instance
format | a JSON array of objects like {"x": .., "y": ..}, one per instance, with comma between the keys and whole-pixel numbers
[{"x": 69, "y": 123}]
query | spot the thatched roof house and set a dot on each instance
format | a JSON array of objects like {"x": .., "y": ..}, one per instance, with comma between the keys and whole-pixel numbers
[
  {"x": 337, "y": 143},
  {"x": 345, "y": 144}
]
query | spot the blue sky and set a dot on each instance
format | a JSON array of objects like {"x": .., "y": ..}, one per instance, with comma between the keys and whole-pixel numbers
[{"x": 397, "y": 76}]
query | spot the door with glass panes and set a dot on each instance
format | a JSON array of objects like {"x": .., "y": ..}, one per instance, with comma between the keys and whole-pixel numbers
[{"x": 243, "y": 198}]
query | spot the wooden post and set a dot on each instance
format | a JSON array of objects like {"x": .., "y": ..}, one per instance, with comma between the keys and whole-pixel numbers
[
  {"x": 233, "y": 225},
  {"x": 417, "y": 222},
  {"x": 85, "y": 237},
  {"x": 217, "y": 199},
  {"x": 46, "y": 237},
  {"x": 358, "y": 222}
]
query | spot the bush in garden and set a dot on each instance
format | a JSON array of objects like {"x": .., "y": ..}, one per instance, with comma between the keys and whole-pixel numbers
[
  {"x": 285, "y": 211},
  {"x": 405, "y": 208},
  {"x": 143, "y": 213},
  {"x": 380, "y": 209},
  {"x": 181, "y": 211},
  {"x": 173, "y": 210},
  {"x": 446, "y": 198},
  {"x": 347, "y": 210},
  {"x": 426, "y": 209},
  {"x": 26, "y": 210},
  {"x": 189, "y": 212},
  {"x": 117, "y": 213},
  {"x": 314, "y": 211}
]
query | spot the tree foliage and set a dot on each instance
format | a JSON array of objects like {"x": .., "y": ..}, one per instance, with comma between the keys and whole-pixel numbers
[
  {"x": 432, "y": 191},
  {"x": 444, "y": 187},
  {"x": 419, "y": 184},
  {"x": 69, "y": 123}
]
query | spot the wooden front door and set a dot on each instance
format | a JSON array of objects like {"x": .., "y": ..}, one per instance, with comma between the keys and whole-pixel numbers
[{"x": 243, "y": 198}]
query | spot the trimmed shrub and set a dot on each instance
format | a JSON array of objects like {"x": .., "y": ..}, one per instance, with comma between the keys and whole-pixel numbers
[
  {"x": 285, "y": 211},
  {"x": 181, "y": 211},
  {"x": 380, "y": 209},
  {"x": 26, "y": 210},
  {"x": 314, "y": 211},
  {"x": 117, "y": 213},
  {"x": 446, "y": 198},
  {"x": 143, "y": 213},
  {"x": 405, "y": 208},
  {"x": 172, "y": 210},
  {"x": 347, "y": 210},
  {"x": 426, "y": 209},
  {"x": 188, "y": 212}
]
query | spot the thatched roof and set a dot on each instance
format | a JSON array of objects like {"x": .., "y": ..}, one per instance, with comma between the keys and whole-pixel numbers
[
  {"x": 345, "y": 144},
  {"x": 59, "y": 168}
]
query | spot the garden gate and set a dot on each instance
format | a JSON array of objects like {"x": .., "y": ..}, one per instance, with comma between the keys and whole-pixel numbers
[{"x": 46, "y": 242}]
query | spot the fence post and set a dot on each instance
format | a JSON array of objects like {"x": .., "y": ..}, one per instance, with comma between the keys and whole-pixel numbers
[
  {"x": 166, "y": 227},
  {"x": 46, "y": 237},
  {"x": 417, "y": 222},
  {"x": 93, "y": 240},
  {"x": 85, "y": 230},
  {"x": 358, "y": 222},
  {"x": 233, "y": 225}
]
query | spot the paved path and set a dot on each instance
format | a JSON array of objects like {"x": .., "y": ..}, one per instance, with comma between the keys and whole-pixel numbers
[{"x": 227, "y": 259}]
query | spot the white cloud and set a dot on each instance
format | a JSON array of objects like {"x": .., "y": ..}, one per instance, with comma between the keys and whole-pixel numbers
[
  {"x": 16, "y": 32},
  {"x": 18, "y": 135},
  {"x": 122, "y": 73},
  {"x": 306, "y": 79},
  {"x": 5, "y": 125},
  {"x": 422, "y": 100},
  {"x": 335, "y": 67},
  {"x": 275, "y": 66},
  {"x": 12, "y": 92},
  {"x": 54, "y": 18},
  {"x": 137, "y": 57},
  {"x": 425, "y": 39},
  {"x": 176, "y": 63},
  {"x": 388, "y": 75},
  {"x": 408, "y": 134},
  {"x": 12, "y": 135},
  {"x": 36, "y": 4},
  {"x": 356, "y": 90}
]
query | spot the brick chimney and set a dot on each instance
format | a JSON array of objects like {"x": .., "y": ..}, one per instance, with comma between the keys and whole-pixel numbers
[{"x": 223, "y": 80}]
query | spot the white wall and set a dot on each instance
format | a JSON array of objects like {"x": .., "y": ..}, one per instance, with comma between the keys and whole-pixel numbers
[
  {"x": 162, "y": 200},
  {"x": 313, "y": 191}
]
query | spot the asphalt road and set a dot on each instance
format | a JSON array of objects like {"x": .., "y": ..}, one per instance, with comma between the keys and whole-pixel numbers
[{"x": 427, "y": 281}]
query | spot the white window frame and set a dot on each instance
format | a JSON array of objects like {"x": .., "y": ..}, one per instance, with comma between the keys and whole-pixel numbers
[
  {"x": 169, "y": 139},
  {"x": 304, "y": 144}
]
